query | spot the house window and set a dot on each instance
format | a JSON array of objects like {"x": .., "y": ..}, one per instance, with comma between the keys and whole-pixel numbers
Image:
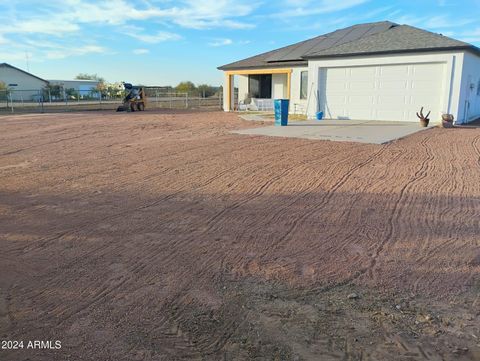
[
  {"x": 260, "y": 86},
  {"x": 303, "y": 85}
]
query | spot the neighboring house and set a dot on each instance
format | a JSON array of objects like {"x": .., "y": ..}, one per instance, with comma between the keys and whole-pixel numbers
[
  {"x": 376, "y": 71},
  {"x": 82, "y": 86},
  {"x": 26, "y": 86}
]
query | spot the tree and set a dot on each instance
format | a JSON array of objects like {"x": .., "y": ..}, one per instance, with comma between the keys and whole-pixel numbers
[
  {"x": 206, "y": 90},
  {"x": 101, "y": 86},
  {"x": 72, "y": 93},
  {"x": 52, "y": 92},
  {"x": 185, "y": 87},
  {"x": 85, "y": 76},
  {"x": 3, "y": 91}
]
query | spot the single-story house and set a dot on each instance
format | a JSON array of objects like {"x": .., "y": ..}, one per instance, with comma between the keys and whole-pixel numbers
[
  {"x": 25, "y": 85},
  {"x": 374, "y": 71}
]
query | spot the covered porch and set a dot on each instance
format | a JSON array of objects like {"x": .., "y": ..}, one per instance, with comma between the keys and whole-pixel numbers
[{"x": 255, "y": 89}]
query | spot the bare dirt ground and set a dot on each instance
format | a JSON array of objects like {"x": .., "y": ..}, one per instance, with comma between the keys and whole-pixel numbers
[{"x": 162, "y": 236}]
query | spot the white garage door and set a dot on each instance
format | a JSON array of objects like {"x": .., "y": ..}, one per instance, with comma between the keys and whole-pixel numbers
[{"x": 386, "y": 92}]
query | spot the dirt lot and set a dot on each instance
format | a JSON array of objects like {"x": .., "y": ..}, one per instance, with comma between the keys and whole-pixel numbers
[{"x": 162, "y": 236}]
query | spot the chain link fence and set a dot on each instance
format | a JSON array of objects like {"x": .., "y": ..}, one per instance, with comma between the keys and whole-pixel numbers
[{"x": 64, "y": 100}]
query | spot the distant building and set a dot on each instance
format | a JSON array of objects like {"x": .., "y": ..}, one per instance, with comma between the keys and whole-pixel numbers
[
  {"x": 26, "y": 86},
  {"x": 81, "y": 86}
]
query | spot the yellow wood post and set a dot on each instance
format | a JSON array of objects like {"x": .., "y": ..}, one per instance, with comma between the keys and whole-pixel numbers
[{"x": 228, "y": 92}]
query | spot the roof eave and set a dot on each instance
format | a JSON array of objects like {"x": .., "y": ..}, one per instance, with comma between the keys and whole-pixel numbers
[{"x": 264, "y": 66}]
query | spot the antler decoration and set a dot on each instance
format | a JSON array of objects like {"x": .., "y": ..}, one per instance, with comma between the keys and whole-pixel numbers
[{"x": 422, "y": 117}]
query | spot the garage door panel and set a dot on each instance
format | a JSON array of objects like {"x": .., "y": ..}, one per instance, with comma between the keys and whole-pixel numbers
[
  {"x": 336, "y": 100},
  {"x": 337, "y": 87},
  {"x": 362, "y": 101},
  {"x": 394, "y": 72},
  {"x": 361, "y": 86},
  {"x": 362, "y": 72},
  {"x": 391, "y": 100},
  {"x": 429, "y": 85},
  {"x": 393, "y": 85},
  {"x": 427, "y": 71},
  {"x": 386, "y": 92}
]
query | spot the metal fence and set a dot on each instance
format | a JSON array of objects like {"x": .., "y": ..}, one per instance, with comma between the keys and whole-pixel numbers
[{"x": 61, "y": 99}]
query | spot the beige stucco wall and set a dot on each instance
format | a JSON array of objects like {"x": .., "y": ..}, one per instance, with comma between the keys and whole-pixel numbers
[
  {"x": 297, "y": 105},
  {"x": 279, "y": 86}
]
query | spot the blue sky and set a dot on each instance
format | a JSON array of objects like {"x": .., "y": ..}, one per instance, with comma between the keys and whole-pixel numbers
[{"x": 162, "y": 42}]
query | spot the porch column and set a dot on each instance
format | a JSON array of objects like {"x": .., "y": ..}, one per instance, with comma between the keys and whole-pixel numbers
[{"x": 228, "y": 93}]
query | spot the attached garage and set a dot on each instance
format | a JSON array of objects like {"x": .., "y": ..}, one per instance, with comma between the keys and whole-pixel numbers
[
  {"x": 375, "y": 71},
  {"x": 384, "y": 92}
]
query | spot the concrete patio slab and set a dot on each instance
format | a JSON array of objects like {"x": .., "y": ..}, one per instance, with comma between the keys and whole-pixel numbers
[{"x": 376, "y": 132}]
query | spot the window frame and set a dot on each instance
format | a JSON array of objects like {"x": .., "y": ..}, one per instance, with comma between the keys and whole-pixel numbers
[{"x": 304, "y": 83}]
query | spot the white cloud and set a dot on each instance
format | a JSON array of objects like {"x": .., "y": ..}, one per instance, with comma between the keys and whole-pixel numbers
[
  {"x": 68, "y": 15},
  {"x": 65, "y": 52},
  {"x": 140, "y": 51},
  {"x": 221, "y": 42},
  {"x": 39, "y": 26},
  {"x": 225, "y": 42},
  {"x": 48, "y": 29},
  {"x": 158, "y": 37},
  {"x": 312, "y": 7}
]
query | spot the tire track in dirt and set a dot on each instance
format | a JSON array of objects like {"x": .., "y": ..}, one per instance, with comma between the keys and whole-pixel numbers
[
  {"x": 476, "y": 147},
  {"x": 41, "y": 242},
  {"x": 45, "y": 144},
  {"x": 207, "y": 264},
  {"x": 177, "y": 295},
  {"x": 420, "y": 174},
  {"x": 261, "y": 189},
  {"x": 296, "y": 223},
  {"x": 155, "y": 253},
  {"x": 448, "y": 186},
  {"x": 370, "y": 231},
  {"x": 134, "y": 268}
]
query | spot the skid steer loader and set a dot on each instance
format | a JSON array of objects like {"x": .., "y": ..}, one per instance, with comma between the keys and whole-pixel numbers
[{"x": 134, "y": 100}]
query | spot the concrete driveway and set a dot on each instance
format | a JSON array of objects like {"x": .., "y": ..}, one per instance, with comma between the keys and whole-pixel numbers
[{"x": 363, "y": 131}]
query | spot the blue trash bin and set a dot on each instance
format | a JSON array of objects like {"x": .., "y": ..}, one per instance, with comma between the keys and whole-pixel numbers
[{"x": 281, "y": 112}]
